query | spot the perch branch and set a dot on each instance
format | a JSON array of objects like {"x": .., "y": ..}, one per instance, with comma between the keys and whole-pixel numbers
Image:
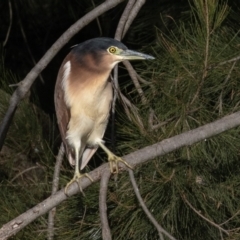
[{"x": 134, "y": 159}]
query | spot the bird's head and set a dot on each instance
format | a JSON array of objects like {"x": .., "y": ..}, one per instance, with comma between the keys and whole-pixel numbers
[{"x": 105, "y": 53}]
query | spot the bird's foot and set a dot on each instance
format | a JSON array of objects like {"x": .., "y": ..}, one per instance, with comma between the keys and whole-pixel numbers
[
  {"x": 76, "y": 178},
  {"x": 113, "y": 162}
]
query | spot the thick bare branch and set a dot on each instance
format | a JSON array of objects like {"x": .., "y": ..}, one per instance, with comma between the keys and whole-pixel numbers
[
  {"x": 106, "y": 233},
  {"x": 136, "y": 8},
  {"x": 27, "y": 82},
  {"x": 159, "y": 228},
  {"x": 134, "y": 159},
  {"x": 123, "y": 20}
]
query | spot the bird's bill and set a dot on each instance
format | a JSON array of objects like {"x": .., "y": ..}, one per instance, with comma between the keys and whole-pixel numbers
[{"x": 134, "y": 55}]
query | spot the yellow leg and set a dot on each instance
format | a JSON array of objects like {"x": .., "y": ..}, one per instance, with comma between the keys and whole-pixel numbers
[
  {"x": 113, "y": 159},
  {"x": 77, "y": 175}
]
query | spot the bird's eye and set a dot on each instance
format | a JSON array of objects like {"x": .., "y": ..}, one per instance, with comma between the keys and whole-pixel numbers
[{"x": 112, "y": 49}]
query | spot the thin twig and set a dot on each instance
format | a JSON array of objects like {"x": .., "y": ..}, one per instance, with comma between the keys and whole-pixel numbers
[
  {"x": 135, "y": 158},
  {"x": 233, "y": 216},
  {"x": 10, "y": 23},
  {"x": 55, "y": 185},
  {"x": 205, "y": 70},
  {"x": 106, "y": 233},
  {"x": 132, "y": 73},
  {"x": 158, "y": 125},
  {"x": 203, "y": 217},
  {"x": 224, "y": 83},
  {"x": 159, "y": 228},
  {"x": 21, "y": 91},
  {"x": 235, "y": 59},
  {"x": 25, "y": 170},
  {"x": 127, "y": 104}
]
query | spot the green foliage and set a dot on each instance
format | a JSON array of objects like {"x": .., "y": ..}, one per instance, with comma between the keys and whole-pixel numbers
[
  {"x": 26, "y": 160},
  {"x": 189, "y": 85},
  {"x": 188, "y": 88}
]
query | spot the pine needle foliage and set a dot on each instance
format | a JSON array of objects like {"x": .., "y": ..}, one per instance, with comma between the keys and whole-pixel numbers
[
  {"x": 26, "y": 160},
  {"x": 190, "y": 85}
]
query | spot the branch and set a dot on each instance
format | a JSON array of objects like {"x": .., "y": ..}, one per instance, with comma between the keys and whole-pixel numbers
[
  {"x": 136, "y": 8},
  {"x": 55, "y": 184},
  {"x": 126, "y": 103},
  {"x": 118, "y": 36},
  {"x": 119, "y": 32},
  {"x": 145, "y": 209},
  {"x": 10, "y": 23},
  {"x": 132, "y": 73},
  {"x": 27, "y": 82},
  {"x": 203, "y": 217},
  {"x": 106, "y": 234},
  {"x": 235, "y": 59},
  {"x": 134, "y": 159}
]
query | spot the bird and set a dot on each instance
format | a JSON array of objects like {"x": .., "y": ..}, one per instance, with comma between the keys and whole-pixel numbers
[{"x": 83, "y": 96}]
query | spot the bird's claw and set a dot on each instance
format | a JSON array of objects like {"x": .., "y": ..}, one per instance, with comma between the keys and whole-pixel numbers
[
  {"x": 113, "y": 162},
  {"x": 76, "y": 178}
]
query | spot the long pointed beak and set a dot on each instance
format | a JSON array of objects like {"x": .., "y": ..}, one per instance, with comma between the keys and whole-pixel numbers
[{"x": 134, "y": 55}]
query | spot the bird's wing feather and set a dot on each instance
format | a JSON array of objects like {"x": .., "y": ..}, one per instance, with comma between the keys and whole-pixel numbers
[
  {"x": 62, "y": 112},
  {"x": 87, "y": 155}
]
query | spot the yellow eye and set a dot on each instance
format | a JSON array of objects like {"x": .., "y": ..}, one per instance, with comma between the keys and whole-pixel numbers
[{"x": 112, "y": 50}]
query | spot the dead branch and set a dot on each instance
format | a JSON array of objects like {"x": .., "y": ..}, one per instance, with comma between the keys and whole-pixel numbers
[
  {"x": 55, "y": 185},
  {"x": 106, "y": 233},
  {"x": 132, "y": 73},
  {"x": 136, "y": 8},
  {"x": 27, "y": 82},
  {"x": 10, "y": 23},
  {"x": 121, "y": 24},
  {"x": 203, "y": 217},
  {"x": 119, "y": 36},
  {"x": 134, "y": 159},
  {"x": 159, "y": 228}
]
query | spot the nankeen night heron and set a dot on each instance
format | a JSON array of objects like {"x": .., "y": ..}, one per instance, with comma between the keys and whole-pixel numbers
[{"x": 83, "y": 96}]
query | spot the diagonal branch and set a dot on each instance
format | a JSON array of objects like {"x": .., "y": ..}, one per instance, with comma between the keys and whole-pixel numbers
[
  {"x": 203, "y": 217},
  {"x": 134, "y": 159},
  {"x": 27, "y": 82},
  {"x": 159, "y": 228}
]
